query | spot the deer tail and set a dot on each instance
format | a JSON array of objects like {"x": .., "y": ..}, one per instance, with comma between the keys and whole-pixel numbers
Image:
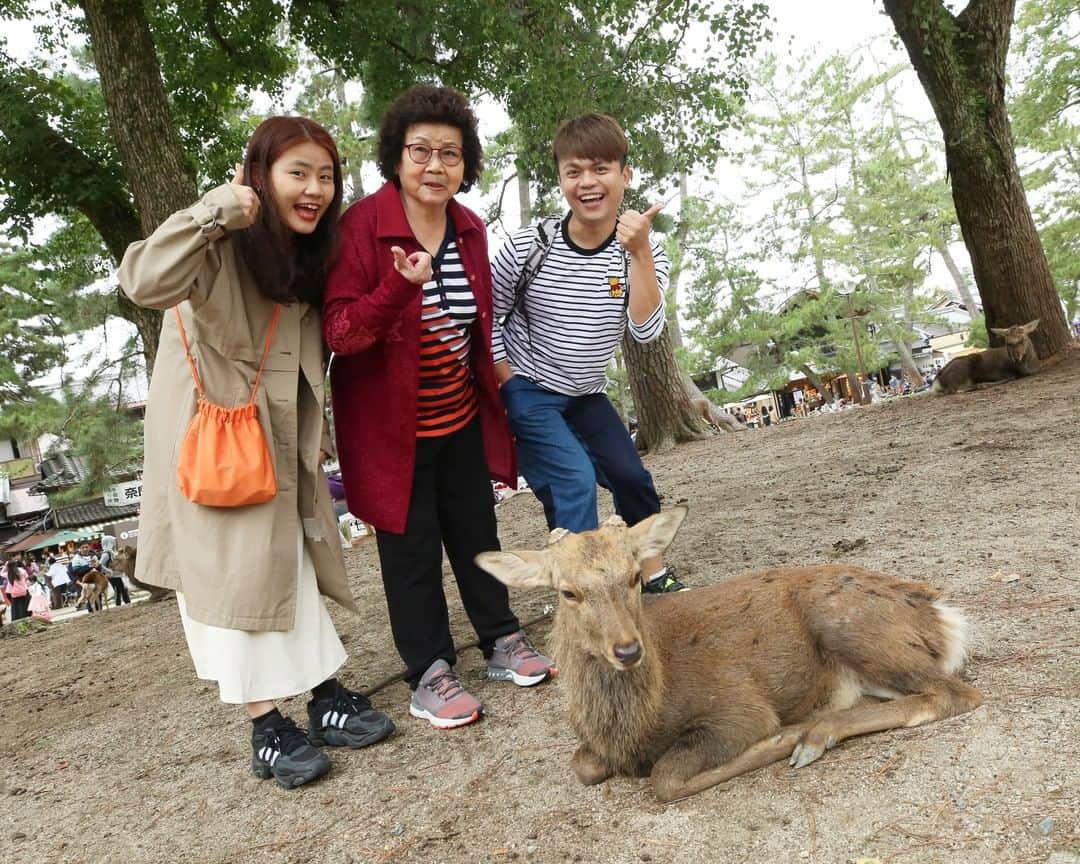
[{"x": 955, "y": 637}]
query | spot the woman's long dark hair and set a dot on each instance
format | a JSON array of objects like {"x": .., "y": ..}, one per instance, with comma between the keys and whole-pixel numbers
[
  {"x": 288, "y": 266},
  {"x": 12, "y": 567}
]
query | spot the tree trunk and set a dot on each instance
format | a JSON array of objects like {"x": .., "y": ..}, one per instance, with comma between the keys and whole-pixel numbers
[
  {"x": 672, "y": 299},
  {"x": 960, "y": 61},
  {"x": 665, "y": 412},
  {"x": 811, "y": 221},
  {"x": 356, "y": 179},
  {"x": 822, "y": 388},
  {"x": 907, "y": 360},
  {"x": 524, "y": 195},
  {"x": 161, "y": 178},
  {"x": 619, "y": 390},
  {"x": 147, "y": 322},
  {"x": 958, "y": 279}
]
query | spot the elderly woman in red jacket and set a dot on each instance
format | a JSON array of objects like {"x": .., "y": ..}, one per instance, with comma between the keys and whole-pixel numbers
[{"x": 420, "y": 427}]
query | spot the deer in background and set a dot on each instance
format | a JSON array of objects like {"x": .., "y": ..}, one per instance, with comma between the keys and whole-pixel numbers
[
  {"x": 95, "y": 590},
  {"x": 1015, "y": 359},
  {"x": 124, "y": 562},
  {"x": 695, "y": 688}
]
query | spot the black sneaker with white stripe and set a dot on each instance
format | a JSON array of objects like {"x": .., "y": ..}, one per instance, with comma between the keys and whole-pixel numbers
[
  {"x": 664, "y": 582},
  {"x": 346, "y": 719},
  {"x": 284, "y": 752}
]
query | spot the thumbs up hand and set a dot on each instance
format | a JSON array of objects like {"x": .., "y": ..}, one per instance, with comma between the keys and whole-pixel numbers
[
  {"x": 248, "y": 198},
  {"x": 632, "y": 228}
]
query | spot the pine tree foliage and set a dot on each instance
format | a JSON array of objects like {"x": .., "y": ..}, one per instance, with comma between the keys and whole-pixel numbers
[
  {"x": 1046, "y": 120},
  {"x": 858, "y": 208}
]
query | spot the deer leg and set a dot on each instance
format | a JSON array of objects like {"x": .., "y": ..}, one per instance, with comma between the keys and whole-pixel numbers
[
  {"x": 764, "y": 752},
  {"x": 589, "y": 768},
  {"x": 945, "y": 699}
]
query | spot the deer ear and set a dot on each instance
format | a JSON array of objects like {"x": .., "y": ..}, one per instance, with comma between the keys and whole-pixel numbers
[
  {"x": 650, "y": 537},
  {"x": 1031, "y": 325},
  {"x": 517, "y": 569},
  {"x": 999, "y": 331}
]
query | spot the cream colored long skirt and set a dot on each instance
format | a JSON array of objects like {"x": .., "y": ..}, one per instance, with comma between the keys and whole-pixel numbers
[{"x": 254, "y": 666}]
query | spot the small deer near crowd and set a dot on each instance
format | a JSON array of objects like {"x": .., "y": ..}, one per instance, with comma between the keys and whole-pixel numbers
[
  {"x": 1015, "y": 359},
  {"x": 695, "y": 688}
]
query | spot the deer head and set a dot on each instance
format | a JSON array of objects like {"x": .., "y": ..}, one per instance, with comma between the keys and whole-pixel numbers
[
  {"x": 597, "y": 575},
  {"x": 1016, "y": 339}
]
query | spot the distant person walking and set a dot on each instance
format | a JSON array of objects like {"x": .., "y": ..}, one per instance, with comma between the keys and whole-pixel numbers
[
  {"x": 18, "y": 590},
  {"x": 108, "y": 553},
  {"x": 59, "y": 580}
]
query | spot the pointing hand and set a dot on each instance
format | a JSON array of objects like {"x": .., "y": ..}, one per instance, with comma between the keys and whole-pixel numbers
[{"x": 415, "y": 267}]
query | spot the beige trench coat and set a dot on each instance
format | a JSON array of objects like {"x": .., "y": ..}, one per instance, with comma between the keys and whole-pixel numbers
[{"x": 236, "y": 566}]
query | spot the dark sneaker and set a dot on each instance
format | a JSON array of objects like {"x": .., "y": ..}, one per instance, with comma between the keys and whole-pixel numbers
[
  {"x": 285, "y": 753},
  {"x": 440, "y": 699},
  {"x": 346, "y": 719},
  {"x": 515, "y": 659},
  {"x": 665, "y": 582}
]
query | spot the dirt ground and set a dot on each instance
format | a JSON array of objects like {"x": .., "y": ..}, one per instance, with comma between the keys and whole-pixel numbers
[{"x": 115, "y": 752}]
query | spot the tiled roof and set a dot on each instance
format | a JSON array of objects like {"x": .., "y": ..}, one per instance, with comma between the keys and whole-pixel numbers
[
  {"x": 92, "y": 512},
  {"x": 30, "y": 541},
  {"x": 59, "y": 472},
  {"x": 65, "y": 470},
  {"x": 20, "y": 536}
]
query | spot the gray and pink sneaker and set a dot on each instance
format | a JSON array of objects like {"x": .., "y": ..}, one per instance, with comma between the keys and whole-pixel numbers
[
  {"x": 441, "y": 699},
  {"x": 515, "y": 659}
]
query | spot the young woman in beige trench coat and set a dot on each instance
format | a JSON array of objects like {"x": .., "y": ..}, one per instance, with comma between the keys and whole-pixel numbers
[{"x": 250, "y": 580}]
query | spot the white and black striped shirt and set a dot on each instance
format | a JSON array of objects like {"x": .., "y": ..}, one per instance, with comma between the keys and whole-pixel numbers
[
  {"x": 446, "y": 399},
  {"x": 564, "y": 332}
]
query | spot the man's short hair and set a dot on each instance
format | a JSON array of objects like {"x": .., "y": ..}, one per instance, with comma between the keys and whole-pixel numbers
[{"x": 590, "y": 136}]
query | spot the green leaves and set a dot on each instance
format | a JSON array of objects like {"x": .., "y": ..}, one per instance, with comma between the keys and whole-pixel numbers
[
  {"x": 858, "y": 208},
  {"x": 1043, "y": 108}
]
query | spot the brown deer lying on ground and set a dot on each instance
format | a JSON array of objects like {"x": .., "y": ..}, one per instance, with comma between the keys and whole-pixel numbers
[
  {"x": 698, "y": 687},
  {"x": 1015, "y": 359}
]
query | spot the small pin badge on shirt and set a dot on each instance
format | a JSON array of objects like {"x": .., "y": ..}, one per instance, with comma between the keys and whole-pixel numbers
[{"x": 615, "y": 287}]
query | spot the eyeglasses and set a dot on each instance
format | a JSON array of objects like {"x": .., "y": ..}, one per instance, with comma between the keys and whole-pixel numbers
[{"x": 421, "y": 154}]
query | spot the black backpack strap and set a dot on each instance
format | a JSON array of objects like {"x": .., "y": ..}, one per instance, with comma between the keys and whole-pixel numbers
[
  {"x": 626, "y": 284},
  {"x": 546, "y": 231}
]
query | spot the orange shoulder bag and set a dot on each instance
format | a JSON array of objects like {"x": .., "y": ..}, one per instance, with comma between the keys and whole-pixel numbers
[{"x": 224, "y": 459}]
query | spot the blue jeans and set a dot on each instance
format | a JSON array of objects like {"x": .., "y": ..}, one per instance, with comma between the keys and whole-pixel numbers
[{"x": 568, "y": 444}]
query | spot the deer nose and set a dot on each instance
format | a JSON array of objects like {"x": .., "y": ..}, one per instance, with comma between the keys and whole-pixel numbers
[{"x": 628, "y": 654}]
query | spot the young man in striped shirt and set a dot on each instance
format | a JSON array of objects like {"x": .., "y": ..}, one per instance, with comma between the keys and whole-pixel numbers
[{"x": 600, "y": 274}]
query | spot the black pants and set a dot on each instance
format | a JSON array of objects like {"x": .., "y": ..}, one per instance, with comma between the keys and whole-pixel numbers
[
  {"x": 451, "y": 505},
  {"x": 119, "y": 589},
  {"x": 20, "y": 607}
]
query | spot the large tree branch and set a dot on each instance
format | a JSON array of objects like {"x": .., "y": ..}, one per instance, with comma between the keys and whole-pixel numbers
[
  {"x": 212, "y": 7},
  {"x": 63, "y": 176}
]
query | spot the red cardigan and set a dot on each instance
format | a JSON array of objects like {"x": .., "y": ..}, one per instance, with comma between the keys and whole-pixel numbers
[{"x": 371, "y": 320}]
